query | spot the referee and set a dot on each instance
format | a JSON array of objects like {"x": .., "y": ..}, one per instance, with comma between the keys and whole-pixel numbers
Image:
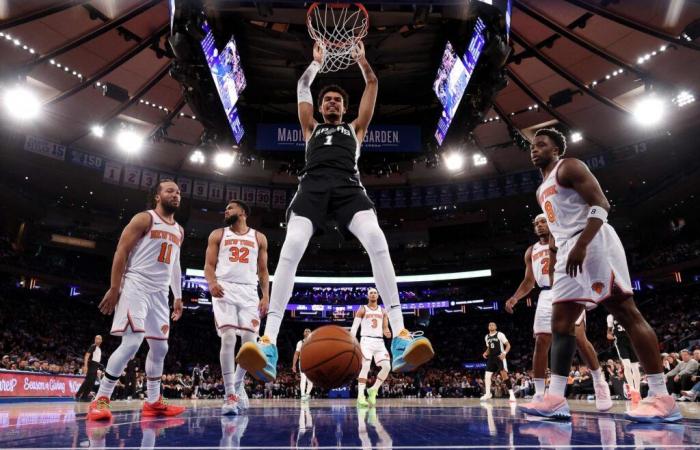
[{"x": 90, "y": 365}]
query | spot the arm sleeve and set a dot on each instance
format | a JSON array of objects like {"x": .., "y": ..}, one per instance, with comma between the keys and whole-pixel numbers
[
  {"x": 610, "y": 321},
  {"x": 176, "y": 280},
  {"x": 355, "y": 326},
  {"x": 304, "y": 84}
]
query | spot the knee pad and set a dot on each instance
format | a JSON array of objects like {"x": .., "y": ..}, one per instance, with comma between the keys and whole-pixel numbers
[
  {"x": 157, "y": 349},
  {"x": 364, "y": 371}
]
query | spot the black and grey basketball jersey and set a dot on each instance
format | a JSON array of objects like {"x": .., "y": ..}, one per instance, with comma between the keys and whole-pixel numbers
[
  {"x": 494, "y": 343},
  {"x": 617, "y": 328},
  {"x": 332, "y": 147}
]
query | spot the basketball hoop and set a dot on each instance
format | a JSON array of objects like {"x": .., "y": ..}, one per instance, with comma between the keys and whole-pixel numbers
[{"x": 337, "y": 27}]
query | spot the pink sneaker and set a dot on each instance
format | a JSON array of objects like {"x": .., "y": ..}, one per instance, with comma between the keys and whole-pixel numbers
[
  {"x": 635, "y": 397},
  {"x": 552, "y": 407},
  {"x": 603, "y": 402},
  {"x": 659, "y": 408}
]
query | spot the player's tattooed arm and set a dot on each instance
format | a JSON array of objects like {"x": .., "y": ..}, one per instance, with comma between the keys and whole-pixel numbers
[
  {"x": 210, "y": 261},
  {"x": 137, "y": 227},
  {"x": 263, "y": 274},
  {"x": 576, "y": 175},
  {"x": 369, "y": 97},
  {"x": 526, "y": 285}
]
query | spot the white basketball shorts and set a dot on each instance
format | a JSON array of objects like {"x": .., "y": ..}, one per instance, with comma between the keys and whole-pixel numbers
[
  {"x": 141, "y": 311},
  {"x": 237, "y": 309}
]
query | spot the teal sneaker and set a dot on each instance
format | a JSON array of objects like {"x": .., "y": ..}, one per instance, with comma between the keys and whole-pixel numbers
[
  {"x": 409, "y": 351},
  {"x": 259, "y": 359}
]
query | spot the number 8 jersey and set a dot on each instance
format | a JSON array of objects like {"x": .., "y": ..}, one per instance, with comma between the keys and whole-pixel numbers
[
  {"x": 565, "y": 209},
  {"x": 151, "y": 261},
  {"x": 238, "y": 257}
]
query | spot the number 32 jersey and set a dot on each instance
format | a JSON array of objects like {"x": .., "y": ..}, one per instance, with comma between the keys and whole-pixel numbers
[
  {"x": 238, "y": 257},
  {"x": 151, "y": 262}
]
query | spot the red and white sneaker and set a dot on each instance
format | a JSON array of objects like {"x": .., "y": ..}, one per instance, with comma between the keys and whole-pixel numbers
[
  {"x": 656, "y": 409},
  {"x": 551, "y": 407},
  {"x": 160, "y": 408},
  {"x": 99, "y": 409},
  {"x": 603, "y": 401},
  {"x": 231, "y": 405}
]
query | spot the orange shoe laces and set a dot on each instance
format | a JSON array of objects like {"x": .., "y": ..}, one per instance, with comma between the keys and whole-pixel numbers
[{"x": 101, "y": 403}]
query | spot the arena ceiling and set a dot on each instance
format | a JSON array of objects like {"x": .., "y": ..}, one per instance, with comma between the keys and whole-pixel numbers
[{"x": 67, "y": 48}]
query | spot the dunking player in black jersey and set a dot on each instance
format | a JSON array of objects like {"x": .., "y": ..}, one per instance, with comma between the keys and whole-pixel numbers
[{"x": 330, "y": 188}]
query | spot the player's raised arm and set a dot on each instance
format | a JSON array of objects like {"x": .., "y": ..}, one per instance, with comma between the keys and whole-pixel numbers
[
  {"x": 210, "y": 261},
  {"x": 369, "y": 97},
  {"x": 304, "y": 99},
  {"x": 526, "y": 285},
  {"x": 134, "y": 231},
  {"x": 575, "y": 174},
  {"x": 263, "y": 274}
]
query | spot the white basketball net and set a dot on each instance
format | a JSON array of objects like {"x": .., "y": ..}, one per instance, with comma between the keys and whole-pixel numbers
[{"x": 337, "y": 27}]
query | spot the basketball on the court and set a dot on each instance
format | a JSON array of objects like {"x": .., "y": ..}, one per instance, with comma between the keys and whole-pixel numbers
[{"x": 330, "y": 357}]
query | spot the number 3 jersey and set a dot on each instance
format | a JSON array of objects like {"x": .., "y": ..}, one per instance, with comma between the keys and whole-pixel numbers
[
  {"x": 238, "y": 258},
  {"x": 151, "y": 262}
]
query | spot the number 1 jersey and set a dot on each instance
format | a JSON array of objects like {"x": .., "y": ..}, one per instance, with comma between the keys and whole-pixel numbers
[
  {"x": 238, "y": 257},
  {"x": 332, "y": 147}
]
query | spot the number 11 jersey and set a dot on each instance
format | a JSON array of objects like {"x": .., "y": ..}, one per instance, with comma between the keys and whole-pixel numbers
[{"x": 238, "y": 257}]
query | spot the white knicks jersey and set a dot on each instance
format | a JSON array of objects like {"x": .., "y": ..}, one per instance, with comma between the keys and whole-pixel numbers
[
  {"x": 565, "y": 209},
  {"x": 238, "y": 257},
  {"x": 151, "y": 262},
  {"x": 372, "y": 324},
  {"x": 540, "y": 264}
]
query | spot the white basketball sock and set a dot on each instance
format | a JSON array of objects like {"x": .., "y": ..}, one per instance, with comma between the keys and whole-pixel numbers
[
  {"x": 557, "y": 386},
  {"x": 657, "y": 384},
  {"x": 487, "y": 383},
  {"x": 597, "y": 375},
  {"x": 365, "y": 227},
  {"x": 299, "y": 232},
  {"x": 157, "y": 349}
]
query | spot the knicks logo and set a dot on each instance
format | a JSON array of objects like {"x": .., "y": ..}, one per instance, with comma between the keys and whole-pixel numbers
[
  {"x": 255, "y": 323},
  {"x": 598, "y": 287},
  {"x": 164, "y": 329}
]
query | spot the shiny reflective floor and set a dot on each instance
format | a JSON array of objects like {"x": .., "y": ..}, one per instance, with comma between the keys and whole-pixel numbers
[{"x": 289, "y": 424}]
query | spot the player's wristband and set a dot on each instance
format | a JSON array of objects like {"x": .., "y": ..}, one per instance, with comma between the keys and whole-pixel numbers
[{"x": 598, "y": 212}]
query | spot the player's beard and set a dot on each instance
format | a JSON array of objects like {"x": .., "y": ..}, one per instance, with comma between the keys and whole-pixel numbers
[
  {"x": 169, "y": 207},
  {"x": 231, "y": 220}
]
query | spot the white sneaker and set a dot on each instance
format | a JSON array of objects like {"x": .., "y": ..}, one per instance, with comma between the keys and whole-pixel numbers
[
  {"x": 230, "y": 406},
  {"x": 244, "y": 403},
  {"x": 485, "y": 397},
  {"x": 603, "y": 401}
]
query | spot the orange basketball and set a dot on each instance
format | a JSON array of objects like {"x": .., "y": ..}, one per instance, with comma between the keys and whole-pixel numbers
[{"x": 330, "y": 357}]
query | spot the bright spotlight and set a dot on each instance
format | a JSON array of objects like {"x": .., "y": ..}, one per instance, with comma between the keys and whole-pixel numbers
[
  {"x": 649, "y": 111},
  {"x": 576, "y": 136},
  {"x": 197, "y": 157},
  {"x": 129, "y": 141},
  {"x": 684, "y": 98},
  {"x": 479, "y": 159},
  {"x": 97, "y": 131},
  {"x": 453, "y": 161},
  {"x": 22, "y": 104},
  {"x": 223, "y": 160}
]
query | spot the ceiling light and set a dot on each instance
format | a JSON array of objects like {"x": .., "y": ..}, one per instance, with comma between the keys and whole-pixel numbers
[
  {"x": 479, "y": 159},
  {"x": 224, "y": 160},
  {"x": 649, "y": 111},
  {"x": 453, "y": 161},
  {"x": 129, "y": 141},
  {"x": 576, "y": 136},
  {"x": 21, "y": 103},
  {"x": 684, "y": 98},
  {"x": 197, "y": 157},
  {"x": 97, "y": 131}
]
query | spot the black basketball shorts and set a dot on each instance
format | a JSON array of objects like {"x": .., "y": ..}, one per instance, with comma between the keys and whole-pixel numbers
[{"x": 330, "y": 195}]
